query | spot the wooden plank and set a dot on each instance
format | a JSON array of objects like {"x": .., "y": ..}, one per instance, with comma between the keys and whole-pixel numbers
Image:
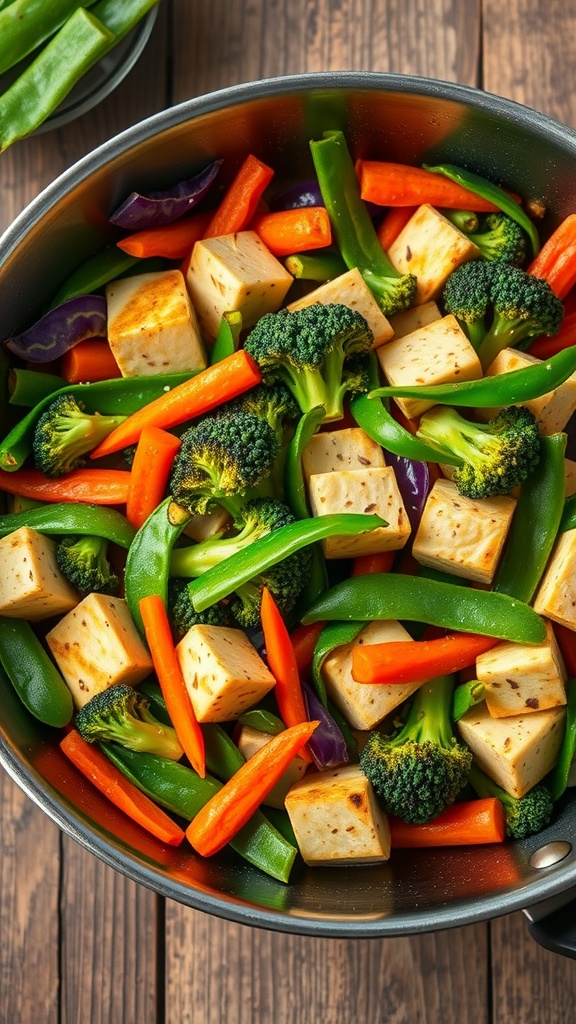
[{"x": 529, "y": 983}]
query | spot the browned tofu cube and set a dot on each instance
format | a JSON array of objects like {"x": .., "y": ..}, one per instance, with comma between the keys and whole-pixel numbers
[
  {"x": 556, "y": 595},
  {"x": 351, "y": 290},
  {"x": 523, "y": 678},
  {"x": 552, "y": 410},
  {"x": 350, "y": 449},
  {"x": 31, "y": 584},
  {"x": 370, "y": 491},
  {"x": 430, "y": 246}
]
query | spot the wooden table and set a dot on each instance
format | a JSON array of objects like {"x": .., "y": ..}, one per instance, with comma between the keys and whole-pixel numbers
[{"x": 78, "y": 942}]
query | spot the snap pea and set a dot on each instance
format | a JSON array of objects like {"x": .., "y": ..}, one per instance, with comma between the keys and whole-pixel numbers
[
  {"x": 180, "y": 790},
  {"x": 262, "y": 721},
  {"x": 148, "y": 563},
  {"x": 568, "y": 521},
  {"x": 503, "y": 389},
  {"x": 467, "y": 696},
  {"x": 334, "y": 634},
  {"x": 558, "y": 779},
  {"x": 78, "y": 518},
  {"x": 28, "y": 387},
  {"x": 228, "y": 337},
  {"x": 391, "y": 596},
  {"x": 33, "y": 675},
  {"x": 103, "y": 266},
  {"x": 535, "y": 523},
  {"x": 294, "y": 483}
]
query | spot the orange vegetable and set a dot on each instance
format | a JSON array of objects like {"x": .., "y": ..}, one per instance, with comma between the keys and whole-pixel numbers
[
  {"x": 365, "y": 565},
  {"x": 233, "y": 805},
  {"x": 283, "y": 665},
  {"x": 393, "y": 184},
  {"x": 96, "y": 767},
  {"x": 392, "y": 223},
  {"x": 196, "y": 396},
  {"x": 173, "y": 242},
  {"x": 89, "y": 360},
  {"x": 416, "y": 661},
  {"x": 463, "y": 824},
  {"x": 303, "y": 640},
  {"x": 95, "y": 486},
  {"x": 544, "y": 347},
  {"x": 287, "y": 231},
  {"x": 556, "y": 261},
  {"x": 167, "y": 668},
  {"x": 151, "y": 467},
  {"x": 241, "y": 200}
]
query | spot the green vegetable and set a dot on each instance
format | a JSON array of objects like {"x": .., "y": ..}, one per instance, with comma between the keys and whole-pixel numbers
[
  {"x": 33, "y": 674},
  {"x": 228, "y": 337},
  {"x": 26, "y": 24},
  {"x": 526, "y": 815},
  {"x": 182, "y": 614},
  {"x": 274, "y": 404},
  {"x": 65, "y": 433},
  {"x": 568, "y": 520},
  {"x": 465, "y": 220},
  {"x": 72, "y": 517},
  {"x": 148, "y": 562},
  {"x": 294, "y": 482},
  {"x": 315, "y": 266},
  {"x": 262, "y": 721},
  {"x": 121, "y": 18},
  {"x": 499, "y": 237},
  {"x": 535, "y": 524},
  {"x": 334, "y": 635},
  {"x": 419, "y": 770},
  {"x": 466, "y": 696},
  {"x": 103, "y": 266},
  {"x": 494, "y": 457},
  {"x": 84, "y": 562},
  {"x": 28, "y": 387},
  {"x": 558, "y": 779},
  {"x": 121, "y": 714},
  {"x": 391, "y": 596},
  {"x": 353, "y": 228}
]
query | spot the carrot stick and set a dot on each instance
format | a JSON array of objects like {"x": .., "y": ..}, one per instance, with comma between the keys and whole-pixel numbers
[
  {"x": 392, "y": 184},
  {"x": 545, "y": 347},
  {"x": 556, "y": 261},
  {"x": 151, "y": 467},
  {"x": 392, "y": 223},
  {"x": 463, "y": 824},
  {"x": 287, "y": 231},
  {"x": 95, "y": 486},
  {"x": 303, "y": 640},
  {"x": 119, "y": 790},
  {"x": 233, "y": 805},
  {"x": 90, "y": 360},
  {"x": 416, "y": 661},
  {"x": 167, "y": 667},
  {"x": 173, "y": 242},
  {"x": 196, "y": 396},
  {"x": 241, "y": 200},
  {"x": 366, "y": 565},
  {"x": 283, "y": 666}
]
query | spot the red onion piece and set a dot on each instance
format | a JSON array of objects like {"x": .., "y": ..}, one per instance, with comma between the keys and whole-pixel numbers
[
  {"x": 307, "y": 193},
  {"x": 327, "y": 744},
  {"x": 413, "y": 479},
  {"x": 60, "y": 329},
  {"x": 156, "y": 209}
]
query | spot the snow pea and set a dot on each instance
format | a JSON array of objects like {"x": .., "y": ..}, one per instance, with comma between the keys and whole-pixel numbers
[
  {"x": 262, "y": 721},
  {"x": 334, "y": 634},
  {"x": 228, "y": 337},
  {"x": 78, "y": 518},
  {"x": 558, "y": 779},
  {"x": 33, "y": 674},
  {"x": 568, "y": 521},
  {"x": 294, "y": 483},
  {"x": 391, "y": 596},
  {"x": 148, "y": 562},
  {"x": 103, "y": 266},
  {"x": 535, "y": 524},
  {"x": 512, "y": 388}
]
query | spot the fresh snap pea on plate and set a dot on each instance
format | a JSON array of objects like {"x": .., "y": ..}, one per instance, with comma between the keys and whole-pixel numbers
[{"x": 279, "y": 520}]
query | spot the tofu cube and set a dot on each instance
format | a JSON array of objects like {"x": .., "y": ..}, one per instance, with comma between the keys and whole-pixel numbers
[
  {"x": 350, "y": 289},
  {"x": 516, "y": 752},
  {"x": 463, "y": 536},
  {"x": 413, "y": 319},
  {"x": 349, "y": 449},
  {"x": 249, "y": 741},
  {"x": 363, "y": 704},
  {"x": 235, "y": 272},
  {"x": 152, "y": 325},
  {"x": 430, "y": 246},
  {"x": 552, "y": 410},
  {"x": 556, "y": 595},
  {"x": 523, "y": 678},
  {"x": 438, "y": 353},
  {"x": 31, "y": 584},
  {"x": 337, "y": 820},
  {"x": 370, "y": 491},
  {"x": 223, "y": 672},
  {"x": 201, "y": 527},
  {"x": 96, "y": 645}
]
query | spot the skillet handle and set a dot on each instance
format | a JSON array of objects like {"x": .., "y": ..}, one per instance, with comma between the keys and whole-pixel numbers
[{"x": 555, "y": 930}]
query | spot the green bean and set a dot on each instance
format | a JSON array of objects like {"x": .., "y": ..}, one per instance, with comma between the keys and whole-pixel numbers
[
  {"x": 121, "y": 18},
  {"x": 100, "y": 268},
  {"x": 72, "y": 518},
  {"x": 33, "y": 675},
  {"x": 294, "y": 483},
  {"x": 315, "y": 266},
  {"x": 28, "y": 387},
  {"x": 26, "y": 24},
  {"x": 262, "y": 721},
  {"x": 467, "y": 696}
]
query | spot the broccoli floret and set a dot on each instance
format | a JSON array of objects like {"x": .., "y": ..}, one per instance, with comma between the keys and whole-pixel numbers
[
  {"x": 220, "y": 458},
  {"x": 419, "y": 771},
  {"x": 84, "y": 563},
  {"x": 525, "y": 815},
  {"x": 501, "y": 238},
  {"x": 308, "y": 350},
  {"x": 467, "y": 296},
  {"x": 496, "y": 456},
  {"x": 65, "y": 432},
  {"x": 271, "y": 402},
  {"x": 183, "y": 615},
  {"x": 121, "y": 714},
  {"x": 285, "y": 581}
]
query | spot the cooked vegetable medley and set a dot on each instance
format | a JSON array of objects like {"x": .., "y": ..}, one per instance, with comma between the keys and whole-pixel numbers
[{"x": 289, "y": 542}]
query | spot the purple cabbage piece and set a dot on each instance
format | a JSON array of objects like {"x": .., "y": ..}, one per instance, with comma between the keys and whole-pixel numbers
[
  {"x": 59, "y": 330},
  {"x": 327, "y": 744},
  {"x": 156, "y": 209},
  {"x": 307, "y": 193},
  {"x": 413, "y": 479}
]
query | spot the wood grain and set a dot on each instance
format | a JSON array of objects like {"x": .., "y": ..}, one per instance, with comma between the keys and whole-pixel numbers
[{"x": 529, "y": 984}]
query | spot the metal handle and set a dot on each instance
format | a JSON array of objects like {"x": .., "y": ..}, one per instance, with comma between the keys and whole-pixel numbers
[{"x": 553, "y": 925}]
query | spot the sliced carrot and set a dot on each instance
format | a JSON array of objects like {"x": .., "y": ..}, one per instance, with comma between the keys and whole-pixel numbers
[
  {"x": 303, "y": 640},
  {"x": 392, "y": 223},
  {"x": 556, "y": 261},
  {"x": 173, "y": 242},
  {"x": 110, "y": 781},
  {"x": 468, "y": 823},
  {"x": 366, "y": 565},
  {"x": 233, "y": 805},
  {"x": 416, "y": 661},
  {"x": 167, "y": 667},
  {"x": 544, "y": 347},
  {"x": 150, "y": 471},
  {"x": 393, "y": 184},
  {"x": 283, "y": 665},
  {"x": 95, "y": 486},
  {"x": 88, "y": 361},
  {"x": 241, "y": 200},
  {"x": 211, "y": 387},
  {"x": 287, "y": 231}
]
